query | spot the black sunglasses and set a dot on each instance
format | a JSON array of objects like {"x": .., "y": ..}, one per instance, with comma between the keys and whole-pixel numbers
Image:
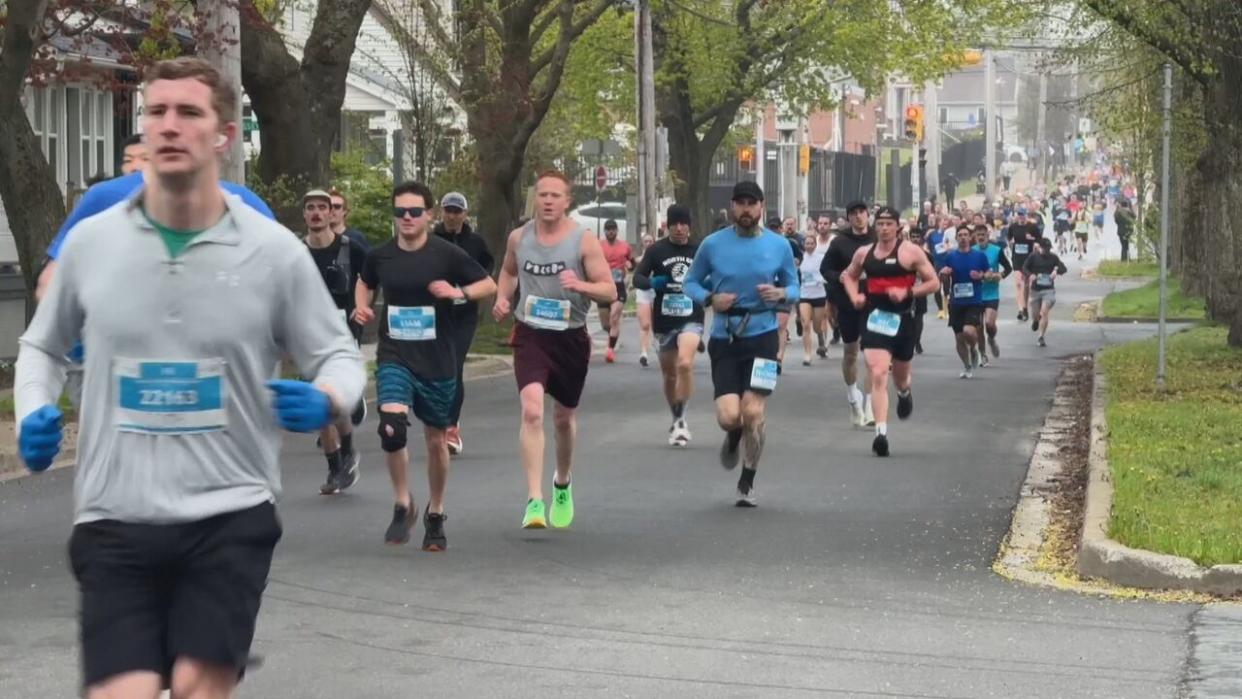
[
  {"x": 338, "y": 207},
  {"x": 413, "y": 211},
  {"x": 452, "y": 210}
]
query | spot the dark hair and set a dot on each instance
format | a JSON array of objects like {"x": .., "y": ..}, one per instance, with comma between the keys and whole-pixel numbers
[
  {"x": 610, "y": 225},
  {"x": 411, "y": 187},
  {"x": 131, "y": 140},
  {"x": 1046, "y": 243},
  {"x": 223, "y": 96},
  {"x": 334, "y": 192}
]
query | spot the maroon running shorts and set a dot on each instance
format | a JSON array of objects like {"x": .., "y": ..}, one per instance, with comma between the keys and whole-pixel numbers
[{"x": 556, "y": 359}]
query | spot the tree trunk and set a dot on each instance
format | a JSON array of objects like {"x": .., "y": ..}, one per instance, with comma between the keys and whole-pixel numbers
[
  {"x": 693, "y": 179},
  {"x": 1221, "y": 168}
]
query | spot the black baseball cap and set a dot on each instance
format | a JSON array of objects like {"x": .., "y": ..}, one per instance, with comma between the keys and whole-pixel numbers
[
  {"x": 887, "y": 212},
  {"x": 855, "y": 206},
  {"x": 747, "y": 190},
  {"x": 678, "y": 213}
]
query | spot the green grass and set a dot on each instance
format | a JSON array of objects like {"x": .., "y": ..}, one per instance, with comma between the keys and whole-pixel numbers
[
  {"x": 8, "y": 410},
  {"x": 1137, "y": 268},
  {"x": 1176, "y": 456},
  {"x": 1144, "y": 302},
  {"x": 492, "y": 337}
]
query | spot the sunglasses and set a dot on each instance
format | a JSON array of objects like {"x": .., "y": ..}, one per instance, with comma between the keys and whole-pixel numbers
[
  {"x": 413, "y": 211},
  {"x": 338, "y": 207}
]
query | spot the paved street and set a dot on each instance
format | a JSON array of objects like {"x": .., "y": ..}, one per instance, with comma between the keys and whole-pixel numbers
[{"x": 856, "y": 576}]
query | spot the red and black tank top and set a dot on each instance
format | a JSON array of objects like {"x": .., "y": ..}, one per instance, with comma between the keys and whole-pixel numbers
[{"x": 884, "y": 273}]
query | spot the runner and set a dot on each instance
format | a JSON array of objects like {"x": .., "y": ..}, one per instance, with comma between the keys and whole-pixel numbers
[
  {"x": 964, "y": 268},
  {"x": 824, "y": 233},
  {"x": 998, "y": 269},
  {"x": 1023, "y": 235},
  {"x": 813, "y": 298},
  {"x": 850, "y": 319},
  {"x": 743, "y": 272},
  {"x": 678, "y": 321},
  {"x": 1042, "y": 269},
  {"x": 454, "y": 228},
  {"x": 339, "y": 260},
  {"x": 416, "y": 371},
  {"x": 788, "y": 229},
  {"x": 896, "y": 275},
  {"x": 182, "y": 294},
  {"x": 559, "y": 271},
  {"x": 939, "y": 243},
  {"x": 620, "y": 260},
  {"x": 643, "y": 298},
  {"x": 1082, "y": 231},
  {"x": 920, "y": 302},
  {"x": 340, "y": 212}
]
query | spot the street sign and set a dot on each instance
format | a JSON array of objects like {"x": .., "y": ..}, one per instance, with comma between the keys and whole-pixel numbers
[{"x": 601, "y": 178}]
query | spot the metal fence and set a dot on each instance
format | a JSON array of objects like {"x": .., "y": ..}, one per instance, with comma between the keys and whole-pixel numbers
[{"x": 833, "y": 180}]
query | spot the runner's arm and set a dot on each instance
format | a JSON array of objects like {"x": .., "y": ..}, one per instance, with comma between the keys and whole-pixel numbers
[
  {"x": 853, "y": 273},
  {"x": 45, "y": 280},
  {"x": 1006, "y": 265},
  {"x": 598, "y": 285},
  {"x": 41, "y": 366},
  {"x": 928, "y": 281},
  {"x": 474, "y": 281},
  {"x": 787, "y": 277},
  {"x": 695, "y": 283},
  {"x": 506, "y": 285},
  {"x": 642, "y": 275}
]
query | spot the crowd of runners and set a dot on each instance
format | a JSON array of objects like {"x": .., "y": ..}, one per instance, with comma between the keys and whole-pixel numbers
[{"x": 177, "y": 297}]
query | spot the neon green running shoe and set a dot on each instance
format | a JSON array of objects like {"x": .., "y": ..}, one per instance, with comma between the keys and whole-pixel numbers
[
  {"x": 534, "y": 518},
  {"x": 562, "y": 505}
]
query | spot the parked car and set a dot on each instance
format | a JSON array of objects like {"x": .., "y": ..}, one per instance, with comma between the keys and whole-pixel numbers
[{"x": 593, "y": 215}]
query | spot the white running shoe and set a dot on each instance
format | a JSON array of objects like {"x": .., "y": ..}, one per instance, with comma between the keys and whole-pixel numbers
[
  {"x": 868, "y": 416},
  {"x": 685, "y": 429}
]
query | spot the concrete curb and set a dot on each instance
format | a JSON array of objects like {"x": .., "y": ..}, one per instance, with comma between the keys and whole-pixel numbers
[{"x": 1102, "y": 557}]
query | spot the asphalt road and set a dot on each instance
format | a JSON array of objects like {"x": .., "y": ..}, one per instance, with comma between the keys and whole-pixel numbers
[{"x": 856, "y": 576}]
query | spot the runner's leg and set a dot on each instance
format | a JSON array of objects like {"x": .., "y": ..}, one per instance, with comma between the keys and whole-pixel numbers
[{"x": 531, "y": 439}]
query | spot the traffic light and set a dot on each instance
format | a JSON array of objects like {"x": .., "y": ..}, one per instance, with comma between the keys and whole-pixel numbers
[
  {"x": 746, "y": 158},
  {"x": 923, "y": 159},
  {"x": 914, "y": 122},
  {"x": 804, "y": 159}
]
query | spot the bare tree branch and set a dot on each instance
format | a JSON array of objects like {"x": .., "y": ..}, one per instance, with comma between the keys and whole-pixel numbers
[
  {"x": 570, "y": 30},
  {"x": 424, "y": 58},
  {"x": 433, "y": 22}
]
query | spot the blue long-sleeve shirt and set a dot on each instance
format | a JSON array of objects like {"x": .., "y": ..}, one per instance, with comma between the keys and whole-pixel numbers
[{"x": 728, "y": 263}]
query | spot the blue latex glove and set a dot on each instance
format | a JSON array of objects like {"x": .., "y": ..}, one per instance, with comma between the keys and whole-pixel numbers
[
  {"x": 300, "y": 407},
  {"x": 40, "y": 438},
  {"x": 660, "y": 282}
]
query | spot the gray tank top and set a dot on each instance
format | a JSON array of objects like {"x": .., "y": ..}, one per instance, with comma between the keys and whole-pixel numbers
[{"x": 542, "y": 303}]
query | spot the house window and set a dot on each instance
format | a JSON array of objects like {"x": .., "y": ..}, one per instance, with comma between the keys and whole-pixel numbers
[{"x": 944, "y": 115}]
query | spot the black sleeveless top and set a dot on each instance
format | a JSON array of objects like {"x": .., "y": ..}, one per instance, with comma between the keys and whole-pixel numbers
[{"x": 887, "y": 273}]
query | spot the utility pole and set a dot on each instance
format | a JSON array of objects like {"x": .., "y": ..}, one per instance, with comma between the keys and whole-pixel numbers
[
  {"x": 931, "y": 128},
  {"x": 640, "y": 136},
  {"x": 989, "y": 126},
  {"x": 1164, "y": 221},
  {"x": 647, "y": 85},
  {"x": 1041, "y": 140},
  {"x": 761, "y": 155},
  {"x": 224, "y": 54}
]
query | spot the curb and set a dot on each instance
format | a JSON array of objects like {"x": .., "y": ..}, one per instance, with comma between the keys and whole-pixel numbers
[
  {"x": 1102, "y": 557},
  {"x": 1128, "y": 319}
]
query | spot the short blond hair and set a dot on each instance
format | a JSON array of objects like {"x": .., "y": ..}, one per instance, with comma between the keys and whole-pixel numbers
[{"x": 223, "y": 96}]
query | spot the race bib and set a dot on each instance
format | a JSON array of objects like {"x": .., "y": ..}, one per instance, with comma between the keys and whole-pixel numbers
[
  {"x": 1021, "y": 248},
  {"x": 676, "y": 306},
  {"x": 763, "y": 374},
  {"x": 548, "y": 314},
  {"x": 618, "y": 275},
  {"x": 185, "y": 397},
  {"x": 963, "y": 290},
  {"x": 1043, "y": 280},
  {"x": 812, "y": 278},
  {"x": 412, "y": 323},
  {"x": 884, "y": 323}
]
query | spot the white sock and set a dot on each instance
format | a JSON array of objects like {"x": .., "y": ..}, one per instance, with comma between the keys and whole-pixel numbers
[
  {"x": 852, "y": 393},
  {"x": 903, "y": 394},
  {"x": 881, "y": 428}
]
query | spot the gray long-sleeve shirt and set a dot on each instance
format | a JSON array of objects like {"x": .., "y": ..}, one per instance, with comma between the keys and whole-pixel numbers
[{"x": 176, "y": 422}]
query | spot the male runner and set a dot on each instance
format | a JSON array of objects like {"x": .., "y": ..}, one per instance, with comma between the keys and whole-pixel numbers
[
  {"x": 940, "y": 242},
  {"x": 824, "y": 233},
  {"x": 620, "y": 259},
  {"x": 454, "y": 228},
  {"x": 998, "y": 269},
  {"x": 558, "y": 271},
  {"x": 643, "y": 299},
  {"x": 134, "y": 155},
  {"x": 920, "y": 302},
  {"x": 743, "y": 272},
  {"x": 849, "y": 319},
  {"x": 1024, "y": 235},
  {"x": 339, "y": 261},
  {"x": 964, "y": 268},
  {"x": 896, "y": 274},
  {"x": 183, "y": 295},
  {"x": 1042, "y": 268},
  {"x": 340, "y": 212},
  {"x": 416, "y": 368},
  {"x": 676, "y": 318}
]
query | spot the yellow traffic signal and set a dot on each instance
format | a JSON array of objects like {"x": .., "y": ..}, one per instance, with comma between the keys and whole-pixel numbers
[
  {"x": 914, "y": 122},
  {"x": 746, "y": 158},
  {"x": 804, "y": 159}
]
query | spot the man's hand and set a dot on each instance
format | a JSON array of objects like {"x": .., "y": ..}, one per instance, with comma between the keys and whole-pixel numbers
[
  {"x": 500, "y": 309},
  {"x": 659, "y": 283},
  {"x": 40, "y": 438},
  {"x": 859, "y": 300},
  {"x": 946, "y": 271},
  {"x": 570, "y": 281},
  {"x": 976, "y": 274},
  {"x": 364, "y": 315},
  {"x": 299, "y": 406},
  {"x": 443, "y": 290},
  {"x": 770, "y": 293},
  {"x": 898, "y": 294},
  {"x": 723, "y": 302}
]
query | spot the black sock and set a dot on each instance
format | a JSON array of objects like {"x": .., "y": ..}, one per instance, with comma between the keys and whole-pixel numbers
[
  {"x": 558, "y": 485},
  {"x": 347, "y": 443},
  {"x": 612, "y": 342},
  {"x": 747, "y": 480},
  {"x": 334, "y": 460},
  {"x": 679, "y": 409}
]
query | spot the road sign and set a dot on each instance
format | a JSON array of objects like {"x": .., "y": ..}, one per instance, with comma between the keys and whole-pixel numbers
[{"x": 601, "y": 178}]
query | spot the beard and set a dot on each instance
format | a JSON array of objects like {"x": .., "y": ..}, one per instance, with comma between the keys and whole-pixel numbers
[{"x": 747, "y": 222}]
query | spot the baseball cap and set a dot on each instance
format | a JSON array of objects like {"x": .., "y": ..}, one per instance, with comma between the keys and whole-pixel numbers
[
  {"x": 455, "y": 199},
  {"x": 678, "y": 213},
  {"x": 887, "y": 212},
  {"x": 317, "y": 194},
  {"x": 747, "y": 190},
  {"x": 855, "y": 205}
]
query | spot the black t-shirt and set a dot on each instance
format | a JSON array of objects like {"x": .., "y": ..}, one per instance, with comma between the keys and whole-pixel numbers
[
  {"x": 476, "y": 248},
  {"x": 340, "y": 278},
  {"x": 839, "y": 255},
  {"x": 421, "y": 344},
  {"x": 1020, "y": 235},
  {"x": 1041, "y": 266},
  {"x": 666, "y": 259}
]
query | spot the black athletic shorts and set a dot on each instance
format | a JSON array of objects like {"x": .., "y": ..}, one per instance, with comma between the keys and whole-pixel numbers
[
  {"x": 621, "y": 296},
  {"x": 151, "y": 593},
  {"x": 558, "y": 360},
  {"x": 993, "y": 304},
  {"x": 901, "y": 345},
  {"x": 849, "y": 321},
  {"x": 962, "y": 316},
  {"x": 814, "y": 303},
  {"x": 732, "y": 361}
]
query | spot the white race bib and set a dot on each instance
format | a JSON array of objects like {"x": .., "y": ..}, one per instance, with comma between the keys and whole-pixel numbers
[
  {"x": 884, "y": 323},
  {"x": 1021, "y": 248},
  {"x": 676, "y": 306},
  {"x": 1043, "y": 280},
  {"x": 963, "y": 290},
  {"x": 412, "y": 323},
  {"x": 763, "y": 374},
  {"x": 548, "y": 314},
  {"x": 183, "y": 397}
]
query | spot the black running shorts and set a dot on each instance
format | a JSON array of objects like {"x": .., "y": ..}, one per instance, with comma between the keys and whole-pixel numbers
[
  {"x": 151, "y": 593},
  {"x": 850, "y": 321},
  {"x": 732, "y": 361},
  {"x": 961, "y": 317},
  {"x": 900, "y": 346}
]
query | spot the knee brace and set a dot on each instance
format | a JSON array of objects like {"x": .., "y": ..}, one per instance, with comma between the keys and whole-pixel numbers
[{"x": 397, "y": 422}]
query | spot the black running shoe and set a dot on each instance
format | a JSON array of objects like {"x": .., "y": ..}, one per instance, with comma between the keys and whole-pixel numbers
[
  {"x": 905, "y": 405},
  {"x": 1021, "y": 315},
  {"x": 1042, "y": 342},
  {"x": 821, "y": 352},
  {"x": 433, "y": 531},
  {"x": 729, "y": 449},
  {"x": 360, "y": 413},
  {"x": 402, "y": 522},
  {"x": 836, "y": 337},
  {"x": 918, "y": 348},
  {"x": 880, "y": 445},
  {"x": 1035, "y": 324},
  {"x": 332, "y": 485},
  {"x": 348, "y": 475}
]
